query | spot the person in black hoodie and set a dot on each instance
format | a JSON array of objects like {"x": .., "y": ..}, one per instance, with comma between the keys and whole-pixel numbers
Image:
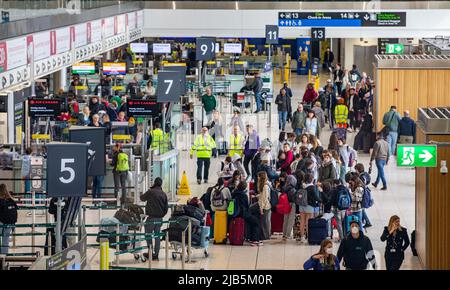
[
  {"x": 241, "y": 199},
  {"x": 356, "y": 250},
  {"x": 156, "y": 208},
  {"x": 96, "y": 106},
  {"x": 397, "y": 241}
]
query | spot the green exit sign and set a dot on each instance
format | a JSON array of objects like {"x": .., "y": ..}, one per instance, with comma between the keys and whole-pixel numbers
[
  {"x": 395, "y": 48},
  {"x": 416, "y": 155}
]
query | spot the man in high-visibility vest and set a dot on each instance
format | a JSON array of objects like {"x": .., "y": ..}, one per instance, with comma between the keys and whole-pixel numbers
[
  {"x": 203, "y": 144},
  {"x": 341, "y": 114},
  {"x": 157, "y": 136},
  {"x": 236, "y": 143}
]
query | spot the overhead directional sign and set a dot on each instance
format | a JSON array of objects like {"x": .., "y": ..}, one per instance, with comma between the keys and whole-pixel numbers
[
  {"x": 396, "y": 48},
  {"x": 169, "y": 87},
  {"x": 341, "y": 19},
  {"x": 205, "y": 48},
  {"x": 318, "y": 33},
  {"x": 272, "y": 34},
  {"x": 416, "y": 155}
]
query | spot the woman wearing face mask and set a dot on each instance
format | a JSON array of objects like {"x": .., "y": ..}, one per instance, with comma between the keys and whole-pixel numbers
[
  {"x": 324, "y": 259},
  {"x": 397, "y": 241}
]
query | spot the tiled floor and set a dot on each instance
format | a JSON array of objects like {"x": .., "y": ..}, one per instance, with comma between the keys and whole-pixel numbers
[{"x": 399, "y": 199}]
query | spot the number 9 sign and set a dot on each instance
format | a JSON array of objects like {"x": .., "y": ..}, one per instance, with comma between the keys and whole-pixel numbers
[
  {"x": 67, "y": 165},
  {"x": 205, "y": 48}
]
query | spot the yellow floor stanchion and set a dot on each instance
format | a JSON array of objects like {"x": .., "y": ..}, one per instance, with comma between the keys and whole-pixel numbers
[
  {"x": 104, "y": 254},
  {"x": 184, "y": 186}
]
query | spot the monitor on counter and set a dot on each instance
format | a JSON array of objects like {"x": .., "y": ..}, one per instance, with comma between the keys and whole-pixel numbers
[
  {"x": 114, "y": 68},
  {"x": 139, "y": 47},
  {"x": 84, "y": 68},
  {"x": 161, "y": 48},
  {"x": 232, "y": 47}
]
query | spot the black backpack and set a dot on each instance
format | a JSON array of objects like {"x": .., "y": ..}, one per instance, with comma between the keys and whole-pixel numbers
[
  {"x": 8, "y": 211},
  {"x": 273, "y": 197},
  {"x": 313, "y": 199}
]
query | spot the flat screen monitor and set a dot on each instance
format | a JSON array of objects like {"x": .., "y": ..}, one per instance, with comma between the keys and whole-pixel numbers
[
  {"x": 84, "y": 68},
  {"x": 161, "y": 48},
  {"x": 114, "y": 68},
  {"x": 139, "y": 47},
  {"x": 232, "y": 47}
]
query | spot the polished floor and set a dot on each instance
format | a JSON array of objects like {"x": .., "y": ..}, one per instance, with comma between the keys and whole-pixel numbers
[{"x": 399, "y": 200}]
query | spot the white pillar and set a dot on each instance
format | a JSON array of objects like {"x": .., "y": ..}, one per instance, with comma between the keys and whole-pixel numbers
[
  {"x": 11, "y": 125},
  {"x": 62, "y": 75}
]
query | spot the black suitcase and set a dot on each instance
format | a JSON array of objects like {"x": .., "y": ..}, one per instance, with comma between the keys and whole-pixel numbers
[{"x": 317, "y": 230}]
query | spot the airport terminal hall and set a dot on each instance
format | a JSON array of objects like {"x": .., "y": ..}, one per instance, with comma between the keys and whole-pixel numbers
[{"x": 243, "y": 136}]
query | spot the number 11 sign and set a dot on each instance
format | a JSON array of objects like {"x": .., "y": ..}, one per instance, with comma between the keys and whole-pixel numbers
[
  {"x": 67, "y": 166},
  {"x": 272, "y": 34}
]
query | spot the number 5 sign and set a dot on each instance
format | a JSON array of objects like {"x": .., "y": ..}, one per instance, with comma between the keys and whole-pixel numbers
[
  {"x": 67, "y": 165},
  {"x": 272, "y": 34}
]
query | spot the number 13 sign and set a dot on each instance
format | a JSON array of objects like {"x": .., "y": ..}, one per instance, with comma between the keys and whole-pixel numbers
[{"x": 67, "y": 166}]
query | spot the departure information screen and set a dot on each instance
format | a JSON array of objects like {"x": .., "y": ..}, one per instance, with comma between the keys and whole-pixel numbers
[{"x": 341, "y": 19}]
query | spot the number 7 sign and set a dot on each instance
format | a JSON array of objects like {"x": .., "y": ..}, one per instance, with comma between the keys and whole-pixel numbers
[
  {"x": 67, "y": 166},
  {"x": 169, "y": 87}
]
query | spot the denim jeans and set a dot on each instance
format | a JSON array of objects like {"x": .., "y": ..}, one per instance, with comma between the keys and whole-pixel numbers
[
  {"x": 258, "y": 101},
  {"x": 392, "y": 141},
  {"x": 340, "y": 219},
  {"x": 365, "y": 218},
  {"x": 298, "y": 131},
  {"x": 282, "y": 118},
  {"x": 27, "y": 185},
  {"x": 97, "y": 184},
  {"x": 5, "y": 233},
  {"x": 380, "y": 167},
  {"x": 151, "y": 228}
]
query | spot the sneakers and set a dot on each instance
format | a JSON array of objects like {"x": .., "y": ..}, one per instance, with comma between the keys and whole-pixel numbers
[
  {"x": 199, "y": 181},
  {"x": 367, "y": 226}
]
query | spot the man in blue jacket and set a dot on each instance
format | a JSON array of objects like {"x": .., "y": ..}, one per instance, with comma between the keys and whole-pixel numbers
[{"x": 406, "y": 130}]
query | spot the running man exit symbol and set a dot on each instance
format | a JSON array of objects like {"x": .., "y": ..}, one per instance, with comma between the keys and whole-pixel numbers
[{"x": 416, "y": 155}]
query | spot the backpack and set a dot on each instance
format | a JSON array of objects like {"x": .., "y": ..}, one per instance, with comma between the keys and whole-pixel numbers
[
  {"x": 365, "y": 177},
  {"x": 218, "y": 198},
  {"x": 283, "y": 206},
  {"x": 312, "y": 198},
  {"x": 301, "y": 197},
  {"x": 367, "y": 200},
  {"x": 344, "y": 199},
  {"x": 233, "y": 208},
  {"x": 8, "y": 210},
  {"x": 122, "y": 162},
  {"x": 274, "y": 199},
  {"x": 266, "y": 143}
]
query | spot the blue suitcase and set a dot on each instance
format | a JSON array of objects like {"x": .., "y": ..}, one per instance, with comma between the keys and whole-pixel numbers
[
  {"x": 317, "y": 230},
  {"x": 204, "y": 240}
]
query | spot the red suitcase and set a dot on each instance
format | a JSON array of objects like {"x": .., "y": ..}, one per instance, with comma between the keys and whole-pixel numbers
[
  {"x": 237, "y": 231},
  {"x": 251, "y": 185},
  {"x": 276, "y": 221}
]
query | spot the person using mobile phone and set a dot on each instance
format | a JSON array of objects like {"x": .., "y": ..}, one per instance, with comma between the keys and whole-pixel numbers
[{"x": 397, "y": 241}]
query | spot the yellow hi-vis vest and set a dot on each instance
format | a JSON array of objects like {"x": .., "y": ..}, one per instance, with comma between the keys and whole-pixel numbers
[
  {"x": 157, "y": 139},
  {"x": 235, "y": 145},
  {"x": 341, "y": 114},
  {"x": 203, "y": 150}
]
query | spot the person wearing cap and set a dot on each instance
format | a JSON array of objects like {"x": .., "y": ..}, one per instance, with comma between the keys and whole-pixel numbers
[
  {"x": 329, "y": 86},
  {"x": 356, "y": 250},
  {"x": 338, "y": 77},
  {"x": 236, "y": 143},
  {"x": 310, "y": 94},
  {"x": 341, "y": 114},
  {"x": 203, "y": 145}
]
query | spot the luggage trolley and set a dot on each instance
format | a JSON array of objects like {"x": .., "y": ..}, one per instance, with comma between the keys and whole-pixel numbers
[{"x": 204, "y": 243}]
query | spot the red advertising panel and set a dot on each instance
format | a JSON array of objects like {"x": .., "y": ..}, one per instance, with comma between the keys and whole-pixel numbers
[
  {"x": 30, "y": 49},
  {"x": 3, "y": 57}
]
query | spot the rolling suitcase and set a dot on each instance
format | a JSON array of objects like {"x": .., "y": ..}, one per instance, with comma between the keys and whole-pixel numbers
[
  {"x": 276, "y": 222},
  {"x": 204, "y": 239},
  {"x": 237, "y": 229},
  {"x": 220, "y": 227},
  {"x": 317, "y": 230}
]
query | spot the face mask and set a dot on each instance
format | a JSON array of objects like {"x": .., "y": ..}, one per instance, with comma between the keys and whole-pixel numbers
[
  {"x": 355, "y": 230},
  {"x": 329, "y": 251}
]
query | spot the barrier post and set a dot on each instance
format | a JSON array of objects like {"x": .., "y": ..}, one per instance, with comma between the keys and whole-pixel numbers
[
  {"x": 104, "y": 254},
  {"x": 189, "y": 251},
  {"x": 167, "y": 250},
  {"x": 117, "y": 244},
  {"x": 183, "y": 249},
  {"x": 149, "y": 250},
  {"x": 58, "y": 247},
  {"x": 33, "y": 220}
]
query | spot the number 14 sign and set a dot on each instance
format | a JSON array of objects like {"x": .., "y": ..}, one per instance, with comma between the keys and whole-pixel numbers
[{"x": 67, "y": 166}]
